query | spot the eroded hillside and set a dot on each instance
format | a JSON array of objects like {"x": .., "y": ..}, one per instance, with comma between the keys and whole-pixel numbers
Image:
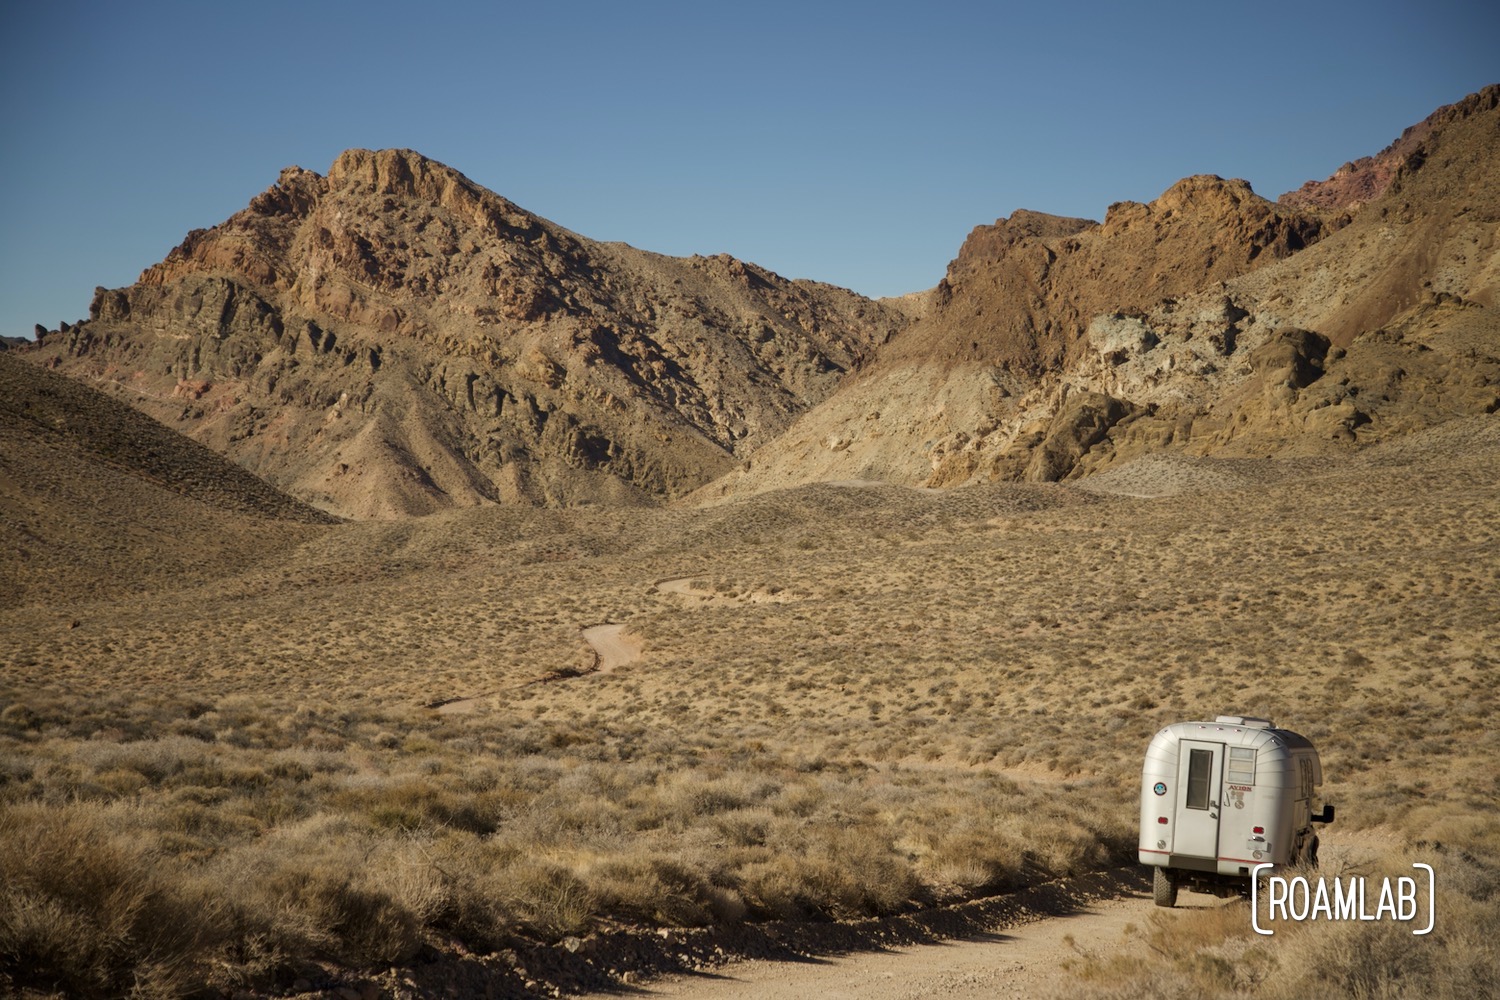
[
  {"x": 394, "y": 339},
  {"x": 99, "y": 501},
  {"x": 1211, "y": 321}
]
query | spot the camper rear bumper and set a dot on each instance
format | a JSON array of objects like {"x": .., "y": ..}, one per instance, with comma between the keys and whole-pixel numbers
[{"x": 1235, "y": 867}]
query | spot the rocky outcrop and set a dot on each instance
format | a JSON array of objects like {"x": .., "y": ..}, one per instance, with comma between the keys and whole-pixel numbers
[
  {"x": 1082, "y": 421},
  {"x": 1361, "y": 181},
  {"x": 1293, "y": 358},
  {"x": 1209, "y": 321},
  {"x": 1022, "y": 292},
  {"x": 392, "y": 338}
]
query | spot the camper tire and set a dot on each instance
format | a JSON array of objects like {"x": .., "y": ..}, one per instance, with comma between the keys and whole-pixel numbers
[{"x": 1164, "y": 887}]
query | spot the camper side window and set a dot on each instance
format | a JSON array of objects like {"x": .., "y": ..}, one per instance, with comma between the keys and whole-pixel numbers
[
  {"x": 1242, "y": 765},
  {"x": 1200, "y": 768}
]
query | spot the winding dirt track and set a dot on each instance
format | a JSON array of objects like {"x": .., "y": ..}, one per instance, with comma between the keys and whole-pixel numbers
[
  {"x": 1023, "y": 961},
  {"x": 682, "y": 585},
  {"x": 612, "y": 647},
  {"x": 1023, "y": 956}
]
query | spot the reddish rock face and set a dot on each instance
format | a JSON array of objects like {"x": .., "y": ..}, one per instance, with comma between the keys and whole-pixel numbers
[
  {"x": 1363, "y": 180},
  {"x": 434, "y": 344}
]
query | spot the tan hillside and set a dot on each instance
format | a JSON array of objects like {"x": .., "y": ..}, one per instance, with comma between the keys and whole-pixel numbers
[
  {"x": 1211, "y": 322},
  {"x": 98, "y": 500},
  {"x": 394, "y": 339}
]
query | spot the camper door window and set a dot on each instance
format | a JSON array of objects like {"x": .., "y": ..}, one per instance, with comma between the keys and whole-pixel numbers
[{"x": 1200, "y": 767}]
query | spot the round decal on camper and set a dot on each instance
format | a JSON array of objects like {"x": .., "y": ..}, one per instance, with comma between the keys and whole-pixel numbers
[{"x": 1160, "y": 788}]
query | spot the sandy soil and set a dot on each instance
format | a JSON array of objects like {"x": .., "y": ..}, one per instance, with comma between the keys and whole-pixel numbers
[
  {"x": 612, "y": 646},
  {"x": 1030, "y": 957},
  {"x": 1026, "y": 960}
]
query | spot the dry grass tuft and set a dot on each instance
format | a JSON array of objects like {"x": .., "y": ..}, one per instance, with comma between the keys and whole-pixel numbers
[{"x": 83, "y": 910}]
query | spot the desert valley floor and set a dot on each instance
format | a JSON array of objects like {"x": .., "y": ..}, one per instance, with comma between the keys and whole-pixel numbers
[{"x": 833, "y": 702}]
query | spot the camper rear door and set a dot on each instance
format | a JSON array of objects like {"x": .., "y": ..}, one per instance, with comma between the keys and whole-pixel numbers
[{"x": 1199, "y": 784}]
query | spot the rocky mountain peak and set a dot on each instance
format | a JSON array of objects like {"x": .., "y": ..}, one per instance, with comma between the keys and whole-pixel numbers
[
  {"x": 1205, "y": 194},
  {"x": 1362, "y": 181},
  {"x": 1204, "y": 200},
  {"x": 989, "y": 243},
  {"x": 392, "y": 338},
  {"x": 393, "y": 171},
  {"x": 404, "y": 173}
]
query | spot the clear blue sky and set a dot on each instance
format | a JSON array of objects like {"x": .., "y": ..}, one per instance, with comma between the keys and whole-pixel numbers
[{"x": 851, "y": 143}]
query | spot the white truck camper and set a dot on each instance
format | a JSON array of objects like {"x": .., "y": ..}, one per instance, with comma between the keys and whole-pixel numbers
[{"x": 1219, "y": 798}]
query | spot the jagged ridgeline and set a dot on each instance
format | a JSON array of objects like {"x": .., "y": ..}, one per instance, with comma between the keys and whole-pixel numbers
[
  {"x": 394, "y": 339},
  {"x": 1209, "y": 322}
]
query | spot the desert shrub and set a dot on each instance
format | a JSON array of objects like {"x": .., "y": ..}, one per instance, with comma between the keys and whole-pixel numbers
[
  {"x": 692, "y": 796},
  {"x": 1355, "y": 960},
  {"x": 659, "y": 890},
  {"x": 19, "y": 717},
  {"x": 301, "y": 909},
  {"x": 976, "y": 858},
  {"x": 546, "y": 898},
  {"x": 157, "y": 760},
  {"x": 87, "y": 912},
  {"x": 16, "y": 772},
  {"x": 745, "y": 827},
  {"x": 788, "y": 887},
  {"x": 833, "y": 873},
  {"x": 328, "y": 887}
]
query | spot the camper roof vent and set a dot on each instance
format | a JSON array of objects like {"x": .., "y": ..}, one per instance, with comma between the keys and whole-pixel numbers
[{"x": 1247, "y": 721}]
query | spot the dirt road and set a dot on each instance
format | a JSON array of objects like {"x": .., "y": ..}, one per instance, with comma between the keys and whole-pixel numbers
[
  {"x": 612, "y": 647},
  {"x": 1027, "y": 958},
  {"x": 682, "y": 586}
]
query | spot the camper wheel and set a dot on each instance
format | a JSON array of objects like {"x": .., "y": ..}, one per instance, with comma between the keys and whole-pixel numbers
[{"x": 1164, "y": 887}]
